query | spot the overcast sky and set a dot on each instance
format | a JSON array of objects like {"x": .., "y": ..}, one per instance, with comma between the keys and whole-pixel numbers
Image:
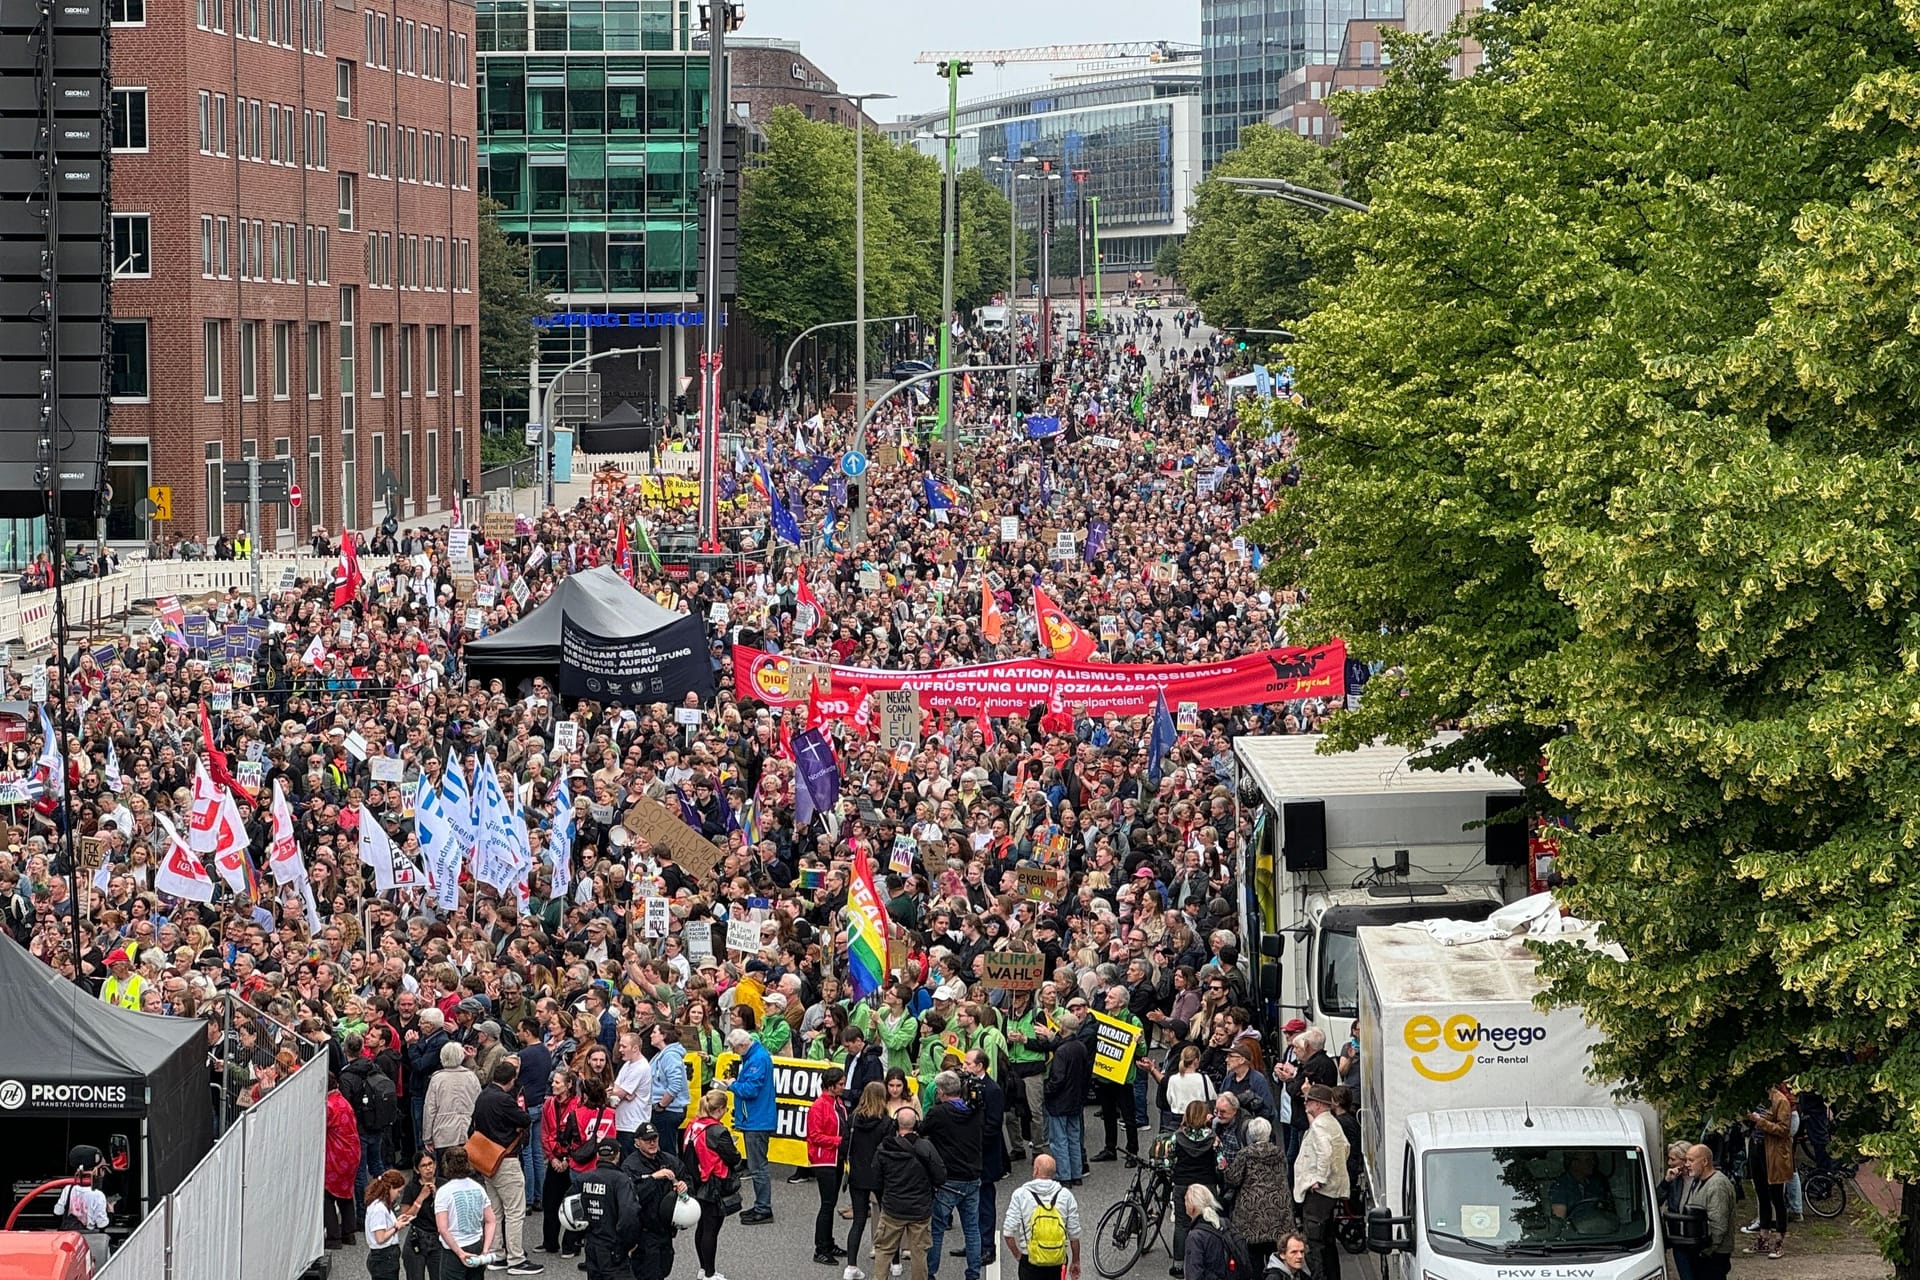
[{"x": 869, "y": 45}]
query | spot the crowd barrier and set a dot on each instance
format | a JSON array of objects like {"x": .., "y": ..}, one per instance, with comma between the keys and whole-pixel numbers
[
  {"x": 93, "y": 603},
  {"x": 252, "y": 1208}
]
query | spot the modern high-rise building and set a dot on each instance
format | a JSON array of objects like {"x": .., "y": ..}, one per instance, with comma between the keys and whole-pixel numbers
[
  {"x": 1127, "y": 134},
  {"x": 1247, "y": 46},
  {"x": 293, "y": 218},
  {"x": 592, "y": 113}
]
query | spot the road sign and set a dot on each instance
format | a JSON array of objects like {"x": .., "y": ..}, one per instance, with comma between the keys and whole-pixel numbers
[
  {"x": 161, "y": 496},
  {"x": 854, "y": 463},
  {"x": 293, "y": 494},
  {"x": 536, "y": 432}
]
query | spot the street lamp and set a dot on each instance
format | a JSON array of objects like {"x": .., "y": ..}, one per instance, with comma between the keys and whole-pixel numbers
[
  {"x": 860, "y": 101},
  {"x": 949, "y": 235},
  {"x": 1045, "y": 264},
  {"x": 1013, "y": 272}
]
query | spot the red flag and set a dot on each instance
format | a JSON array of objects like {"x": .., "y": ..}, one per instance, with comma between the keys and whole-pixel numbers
[
  {"x": 348, "y": 584},
  {"x": 786, "y": 737},
  {"x": 986, "y": 726},
  {"x": 807, "y": 613},
  {"x": 622, "y": 554},
  {"x": 1058, "y": 634},
  {"x": 992, "y": 622},
  {"x": 217, "y": 760}
]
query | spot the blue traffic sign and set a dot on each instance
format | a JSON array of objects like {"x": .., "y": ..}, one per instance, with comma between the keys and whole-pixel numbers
[{"x": 854, "y": 463}]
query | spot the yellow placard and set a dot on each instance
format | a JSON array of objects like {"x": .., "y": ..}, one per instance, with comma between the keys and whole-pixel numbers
[
  {"x": 1114, "y": 1044},
  {"x": 161, "y": 496}
]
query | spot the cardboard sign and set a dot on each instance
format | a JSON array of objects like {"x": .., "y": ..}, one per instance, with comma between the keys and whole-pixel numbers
[
  {"x": 900, "y": 862},
  {"x": 1161, "y": 572},
  {"x": 1013, "y": 970},
  {"x": 1009, "y": 528},
  {"x": 1036, "y": 883},
  {"x": 520, "y": 591},
  {"x": 92, "y": 850},
  {"x": 663, "y": 828},
  {"x": 698, "y": 935},
  {"x": 804, "y": 679},
  {"x": 476, "y": 620},
  {"x": 719, "y": 613},
  {"x": 1109, "y": 628},
  {"x": 566, "y": 736},
  {"x": 1114, "y": 1044},
  {"x": 497, "y": 525},
  {"x": 743, "y": 936},
  {"x": 870, "y": 581},
  {"x": 1186, "y": 717},
  {"x": 899, "y": 719},
  {"x": 689, "y": 716},
  {"x": 388, "y": 769}
]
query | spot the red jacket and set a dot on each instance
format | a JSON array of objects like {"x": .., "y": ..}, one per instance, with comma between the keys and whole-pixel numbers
[{"x": 823, "y": 1131}]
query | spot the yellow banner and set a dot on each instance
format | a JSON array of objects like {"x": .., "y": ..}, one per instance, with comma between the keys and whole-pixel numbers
[
  {"x": 1114, "y": 1044},
  {"x": 796, "y": 1083}
]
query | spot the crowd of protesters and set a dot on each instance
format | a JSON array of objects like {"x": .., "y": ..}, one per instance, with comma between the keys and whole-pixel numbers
[{"x": 491, "y": 1060}]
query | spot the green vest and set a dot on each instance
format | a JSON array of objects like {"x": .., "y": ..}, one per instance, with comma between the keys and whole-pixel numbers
[{"x": 1021, "y": 1051}]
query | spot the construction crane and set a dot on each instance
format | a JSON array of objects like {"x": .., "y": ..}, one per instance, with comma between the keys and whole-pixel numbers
[{"x": 1151, "y": 50}]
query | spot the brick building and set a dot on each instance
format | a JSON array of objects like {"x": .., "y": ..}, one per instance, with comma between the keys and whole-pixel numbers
[
  {"x": 1361, "y": 65},
  {"x": 294, "y": 223}
]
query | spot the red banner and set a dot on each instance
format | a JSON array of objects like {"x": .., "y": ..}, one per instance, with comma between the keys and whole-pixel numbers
[{"x": 1011, "y": 688}]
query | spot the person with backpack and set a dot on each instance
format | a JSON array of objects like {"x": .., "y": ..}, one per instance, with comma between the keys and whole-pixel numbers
[
  {"x": 589, "y": 1123},
  {"x": 1194, "y": 1162},
  {"x": 1214, "y": 1250},
  {"x": 1042, "y": 1226},
  {"x": 376, "y": 1105}
]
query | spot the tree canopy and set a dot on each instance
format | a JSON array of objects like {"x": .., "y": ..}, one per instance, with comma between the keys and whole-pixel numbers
[
  {"x": 1608, "y": 458},
  {"x": 508, "y": 304}
]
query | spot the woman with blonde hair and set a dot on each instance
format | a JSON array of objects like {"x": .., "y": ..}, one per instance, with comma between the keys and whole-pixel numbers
[{"x": 712, "y": 1163}]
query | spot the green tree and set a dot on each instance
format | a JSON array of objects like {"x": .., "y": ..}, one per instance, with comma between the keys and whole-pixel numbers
[
  {"x": 1167, "y": 261},
  {"x": 797, "y": 226},
  {"x": 1609, "y": 459},
  {"x": 1246, "y": 260},
  {"x": 508, "y": 304},
  {"x": 983, "y": 243}
]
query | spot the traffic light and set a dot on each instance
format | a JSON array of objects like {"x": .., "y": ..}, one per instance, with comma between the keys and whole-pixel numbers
[
  {"x": 680, "y": 404},
  {"x": 1046, "y": 375}
]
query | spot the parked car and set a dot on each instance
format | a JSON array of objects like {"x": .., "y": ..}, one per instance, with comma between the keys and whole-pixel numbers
[{"x": 901, "y": 370}]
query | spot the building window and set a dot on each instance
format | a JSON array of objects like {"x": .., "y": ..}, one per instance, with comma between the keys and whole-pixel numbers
[
  {"x": 343, "y": 89},
  {"x": 206, "y": 246},
  {"x": 315, "y": 461},
  {"x": 457, "y": 360},
  {"x": 432, "y": 358},
  {"x": 220, "y": 124},
  {"x": 283, "y": 451},
  {"x": 405, "y": 359},
  {"x": 132, "y": 244},
  {"x": 129, "y": 119},
  {"x": 215, "y": 511},
  {"x": 130, "y": 379},
  {"x": 346, "y": 201},
  {"x": 377, "y": 360},
  {"x": 283, "y": 363},
  {"x": 249, "y": 359},
  {"x": 127, "y": 13},
  {"x": 222, "y": 239},
  {"x": 210, "y": 360},
  {"x": 316, "y": 346},
  {"x": 433, "y": 466},
  {"x": 206, "y": 122}
]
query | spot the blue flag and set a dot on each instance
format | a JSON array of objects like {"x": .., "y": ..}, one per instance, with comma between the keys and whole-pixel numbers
[
  {"x": 1039, "y": 428},
  {"x": 940, "y": 495},
  {"x": 817, "y": 467},
  {"x": 785, "y": 527},
  {"x": 816, "y": 772},
  {"x": 1162, "y": 739}
]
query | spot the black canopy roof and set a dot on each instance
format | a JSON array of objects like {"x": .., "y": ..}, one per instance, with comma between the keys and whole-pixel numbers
[
  {"x": 599, "y": 600},
  {"x": 623, "y": 429},
  {"x": 51, "y": 1029}
]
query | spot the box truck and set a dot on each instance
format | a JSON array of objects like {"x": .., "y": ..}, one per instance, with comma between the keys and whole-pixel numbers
[
  {"x": 1361, "y": 838},
  {"x": 1490, "y": 1152}
]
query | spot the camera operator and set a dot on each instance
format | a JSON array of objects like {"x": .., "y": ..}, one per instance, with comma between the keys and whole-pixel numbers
[{"x": 955, "y": 1128}]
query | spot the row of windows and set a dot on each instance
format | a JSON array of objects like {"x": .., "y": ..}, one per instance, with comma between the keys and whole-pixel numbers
[
  {"x": 268, "y": 132},
  {"x": 422, "y": 51},
  {"x": 661, "y": 256},
  {"x": 580, "y": 26},
  {"x": 554, "y": 96},
  {"x": 417, "y": 355},
  {"x": 270, "y": 20},
  {"x": 650, "y": 179},
  {"x": 423, "y": 156},
  {"x": 430, "y": 263}
]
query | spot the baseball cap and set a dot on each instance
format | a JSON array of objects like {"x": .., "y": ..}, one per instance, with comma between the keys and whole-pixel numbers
[
  {"x": 949, "y": 991},
  {"x": 646, "y": 1132},
  {"x": 119, "y": 956},
  {"x": 489, "y": 1027},
  {"x": 1295, "y": 1026}
]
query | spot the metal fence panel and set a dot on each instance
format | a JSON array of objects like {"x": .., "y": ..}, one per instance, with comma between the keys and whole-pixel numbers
[
  {"x": 206, "y": 1218},
  {"x": 285, "y": 1145},
  {"x": 143, "y": 1255}
]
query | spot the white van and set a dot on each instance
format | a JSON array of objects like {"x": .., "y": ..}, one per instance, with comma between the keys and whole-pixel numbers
[{"x": 993, "y": 319}]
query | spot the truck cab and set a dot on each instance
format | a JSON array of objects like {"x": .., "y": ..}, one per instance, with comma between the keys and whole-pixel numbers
[
  {"x": 1322, "y": 984},
  {"x": 1519, "y": 1193}
]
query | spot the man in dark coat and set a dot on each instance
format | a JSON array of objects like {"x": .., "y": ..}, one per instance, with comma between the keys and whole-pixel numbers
[
  {"x": 910, "y": 1170},
  {"x": 1065, "y": 1095}
]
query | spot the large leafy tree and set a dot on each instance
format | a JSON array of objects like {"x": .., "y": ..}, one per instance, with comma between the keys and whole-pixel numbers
[
  {"x": 1610, "y": 459},
  {"x": 508, "y": 304},
  {"x": 1246, "y": 261},
  {"x": 797, "y": 225}
]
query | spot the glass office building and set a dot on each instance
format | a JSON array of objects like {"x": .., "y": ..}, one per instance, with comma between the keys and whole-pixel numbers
[
  {"x": 591, "y": 114},
  {"x": 1134, "y": 134},
  {"x": 1248, "y": 46}
]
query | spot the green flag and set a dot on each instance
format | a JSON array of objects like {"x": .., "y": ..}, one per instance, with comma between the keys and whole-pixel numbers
[{"x": 646, "y": 541}]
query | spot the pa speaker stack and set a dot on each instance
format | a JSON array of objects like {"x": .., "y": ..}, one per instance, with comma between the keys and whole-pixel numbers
[{"x": 56, "y": 253}]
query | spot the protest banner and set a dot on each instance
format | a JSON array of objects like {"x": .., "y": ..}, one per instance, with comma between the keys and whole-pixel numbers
[
  {"x": 1114, "y": 1043},
  {"x": 1009, "y": 688},
  {"x": 1013, "y": 970},
  {"x": 796, "y": 1083},
  {"x": 1036, "y": 883},
  {"x": 660, "y": 826}
]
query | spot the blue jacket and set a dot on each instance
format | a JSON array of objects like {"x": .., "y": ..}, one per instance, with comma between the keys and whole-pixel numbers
[{"x": 754, "y": 1110}]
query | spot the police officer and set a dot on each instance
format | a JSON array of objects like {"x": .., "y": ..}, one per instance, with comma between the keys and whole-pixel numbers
[
  {"x": 612, "y": 1212},
  {"x": 657, "y": 1180}
]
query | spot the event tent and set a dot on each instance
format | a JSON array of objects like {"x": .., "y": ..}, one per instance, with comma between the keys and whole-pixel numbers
[
  {"x": 74, "y": 1069},
  {"x": 606, "y": 641},
  {"x": 624, "y": 429}
]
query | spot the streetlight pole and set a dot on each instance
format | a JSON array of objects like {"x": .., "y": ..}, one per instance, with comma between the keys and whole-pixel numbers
[
  {"x": 1099, "y": 314},
  {"x": 952, "y": 70},
  {"x": 721, "y": 17},
  {"x": 1013, "y": 276},
  {"x": 859, "y": 101}
]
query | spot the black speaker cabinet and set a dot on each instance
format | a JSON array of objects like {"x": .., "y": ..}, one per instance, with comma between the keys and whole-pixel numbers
[
  {"x": 1303, "y": 835},
  {"x": 1507, "y": 838}
]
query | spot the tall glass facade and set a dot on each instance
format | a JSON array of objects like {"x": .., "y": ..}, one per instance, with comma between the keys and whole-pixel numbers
[
  {"x": 591, "y": 112},
  {"x": 1247, "y": 46}
]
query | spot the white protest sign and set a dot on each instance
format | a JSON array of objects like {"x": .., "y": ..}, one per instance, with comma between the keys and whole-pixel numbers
[
  {"x": 388, "y": 769},
  {"x": 658, "y": 918},
  {"x": 1009, "y": 528},
  {"x": 356, "y": 745},
  {"x": 743, "y": 935},
  {"x": 566, "y": 736}
]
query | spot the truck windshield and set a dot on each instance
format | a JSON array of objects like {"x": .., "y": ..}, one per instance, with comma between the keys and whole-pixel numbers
[
  {"x": 1589, "y": 1201},
  {"x": 1339, "y": 974}
]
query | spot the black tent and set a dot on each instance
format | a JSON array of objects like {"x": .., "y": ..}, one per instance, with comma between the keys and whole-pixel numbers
[
  {"x": 606, "y": 641},
  {"x": 624, "y": 429},
  {"x": 74, "y": 1069}
]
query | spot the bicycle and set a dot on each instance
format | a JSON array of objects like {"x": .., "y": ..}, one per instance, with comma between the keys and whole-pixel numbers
[
  {"x": 1132, "y": 1226},
  {"x": 1823, "y": 1186}
]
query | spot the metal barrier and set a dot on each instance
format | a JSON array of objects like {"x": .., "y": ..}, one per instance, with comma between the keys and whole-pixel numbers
[
  {"x": 94, "y": 603},
  {"x": 253, "y": 1207},
  {"x": 515, "y": 475}
]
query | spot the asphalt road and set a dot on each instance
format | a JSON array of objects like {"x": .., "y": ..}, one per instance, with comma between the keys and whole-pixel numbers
[{"x": 765, "y": 1251}]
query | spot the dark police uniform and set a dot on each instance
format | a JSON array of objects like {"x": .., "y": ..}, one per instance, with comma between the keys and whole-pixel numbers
[{"x": 612, "y": 1211}]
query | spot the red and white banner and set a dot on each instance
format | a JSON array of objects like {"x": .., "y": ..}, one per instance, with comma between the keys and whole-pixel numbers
[{"x": 1012, "y": 687}]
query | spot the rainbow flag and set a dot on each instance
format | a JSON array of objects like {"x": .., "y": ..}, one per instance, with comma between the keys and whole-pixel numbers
[
  {"x": 866, "y": 931},
  {"x": 813, "y": 878}
]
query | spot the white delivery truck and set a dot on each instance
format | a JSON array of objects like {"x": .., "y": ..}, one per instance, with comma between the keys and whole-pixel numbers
[
  {"x": 1490, "y": 1153},
  {"x": 1358, "y": 838}
]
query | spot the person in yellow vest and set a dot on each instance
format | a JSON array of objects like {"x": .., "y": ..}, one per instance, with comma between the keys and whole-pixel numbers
[
  {"x": 242, "y": 544},
  {"x": 123, "y": 986}
]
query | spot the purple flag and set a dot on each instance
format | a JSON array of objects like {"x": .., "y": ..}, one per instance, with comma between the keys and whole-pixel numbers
[
  {"x": 1097, "y": 531},
  {"x": 817, "y": 772}
]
